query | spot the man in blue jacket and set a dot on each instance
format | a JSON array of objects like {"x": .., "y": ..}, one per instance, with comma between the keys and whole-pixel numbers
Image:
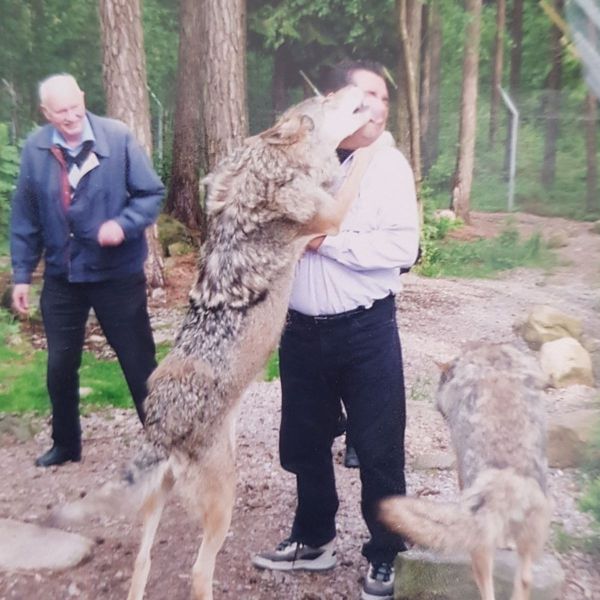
[{"x": 86, "y": 193}]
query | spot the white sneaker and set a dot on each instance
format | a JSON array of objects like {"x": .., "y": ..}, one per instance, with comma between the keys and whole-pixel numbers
[
  {"x": 293, "y": 556},
  {"x": 379, "y": 582}
]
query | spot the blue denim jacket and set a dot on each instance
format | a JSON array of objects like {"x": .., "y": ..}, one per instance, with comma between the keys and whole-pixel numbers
[{"x": 123, "y": 187}]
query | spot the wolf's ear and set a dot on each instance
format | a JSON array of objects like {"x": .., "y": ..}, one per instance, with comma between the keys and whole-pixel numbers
[
  {"x": 307, "y": 123},
  {"x": 288, "y": 131}
]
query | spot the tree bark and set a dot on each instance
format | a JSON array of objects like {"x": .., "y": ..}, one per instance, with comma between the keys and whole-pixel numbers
[
  {"x": 124, "y": 76},
  {"x": 224, "y": 116},
  {"x": 408, "y": 18},
  {"x": 497, "y": 68},
  {"x": 430, "y": 88},
  {"x": 552, "y": 103},
  {"x": 591, "y": 145},
  {"x": 183, "y": 201},
  {"x": 463, "y": 176},
  {"x": 409, "y": 28}
]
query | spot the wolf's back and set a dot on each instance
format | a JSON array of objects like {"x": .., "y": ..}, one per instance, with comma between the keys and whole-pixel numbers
[{"x": 500, "y": 507}]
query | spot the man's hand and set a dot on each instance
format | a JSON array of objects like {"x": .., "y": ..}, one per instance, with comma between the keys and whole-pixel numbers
[
  {"x": 110, "y": 234},
  {"x": 20, "y": 298},
  {"x": 315, "y": 243}
]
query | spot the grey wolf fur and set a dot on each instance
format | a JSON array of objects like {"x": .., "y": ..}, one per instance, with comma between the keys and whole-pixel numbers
[
  {"x": 490, "y": 398},
  {"x": 265, "y": 202}
]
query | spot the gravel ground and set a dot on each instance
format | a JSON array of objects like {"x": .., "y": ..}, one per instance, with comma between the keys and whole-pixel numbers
[{"x": 435, "y": 317}]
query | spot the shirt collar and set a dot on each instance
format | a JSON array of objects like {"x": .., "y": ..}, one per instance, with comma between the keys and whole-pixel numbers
[{"x": 87, "y": 136}]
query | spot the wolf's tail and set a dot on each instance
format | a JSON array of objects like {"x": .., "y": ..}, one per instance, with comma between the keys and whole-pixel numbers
[
  {"x": 492, "y": 512},
  {"x": 149, "y": 471}
]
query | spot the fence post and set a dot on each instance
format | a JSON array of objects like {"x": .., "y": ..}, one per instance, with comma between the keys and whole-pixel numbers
[{"x": 514, "y": 131}]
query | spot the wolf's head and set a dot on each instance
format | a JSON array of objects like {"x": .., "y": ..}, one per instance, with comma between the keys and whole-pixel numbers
[{"x": 323, "y": 120}]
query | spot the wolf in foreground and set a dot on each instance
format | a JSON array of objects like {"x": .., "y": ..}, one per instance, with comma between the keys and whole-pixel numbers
[
  {"x": 265, "y": 202},
  {"x": 490, "y": 398}
]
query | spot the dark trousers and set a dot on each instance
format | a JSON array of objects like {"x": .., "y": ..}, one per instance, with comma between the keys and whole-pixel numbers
[
  {"x": 121, "y": 309},
  {"x": 357, "y": 358}
]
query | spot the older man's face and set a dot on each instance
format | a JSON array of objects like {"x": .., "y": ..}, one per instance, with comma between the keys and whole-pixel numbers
[{"x": 64, "y": 108}]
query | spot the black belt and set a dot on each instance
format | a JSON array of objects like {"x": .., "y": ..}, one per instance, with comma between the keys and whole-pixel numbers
[{"x": 294, "y": 315}]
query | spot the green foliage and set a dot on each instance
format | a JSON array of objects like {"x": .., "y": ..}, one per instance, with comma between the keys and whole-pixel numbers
[
  {"x": 9, "y": 168},
  {"x": 323, "y": 31},
  {"x": 484, "y": 257},
  {"x": 591, "y": 501},
  {"x": 272, "y": 368},
  {"x": 591, "y": 467}
]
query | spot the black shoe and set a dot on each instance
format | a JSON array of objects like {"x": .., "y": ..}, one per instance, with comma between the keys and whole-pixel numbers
[
  {"x": 351, "y": 458},
  {"x": 57, "y": 455}
]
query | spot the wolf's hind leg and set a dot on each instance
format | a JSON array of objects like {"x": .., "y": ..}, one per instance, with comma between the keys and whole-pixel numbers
[
  {"x": 151, "y": 510},
  {"x": 215, "y": 500},
  {"x": 523, "y": 575},
  {"x": 482, "y": 560}
]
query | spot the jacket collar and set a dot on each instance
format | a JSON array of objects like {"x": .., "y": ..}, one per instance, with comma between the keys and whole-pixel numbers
[{"x": 100, "y": 148}]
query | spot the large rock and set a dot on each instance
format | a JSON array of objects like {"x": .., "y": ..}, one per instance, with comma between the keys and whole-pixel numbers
[
  {"x": 544, "y": 324},
  {"x": 566, "y": 362},
  {"x": 171, "y": 231},
  {"x": 426, "y": 576},
  {"x": 25, "y": 546},
  {"x": 568, "y": 437}
]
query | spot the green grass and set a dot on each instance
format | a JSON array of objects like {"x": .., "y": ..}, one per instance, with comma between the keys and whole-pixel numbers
[
  {"x": 23, "y": 376},
  {"x": 23, "y": 382},
  {"x": 485, "y": 258}
]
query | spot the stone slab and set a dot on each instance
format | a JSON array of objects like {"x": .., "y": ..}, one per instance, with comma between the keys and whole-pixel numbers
[
  {"x": 422, "y": 575},
  {"x": 25, "y": 546}
]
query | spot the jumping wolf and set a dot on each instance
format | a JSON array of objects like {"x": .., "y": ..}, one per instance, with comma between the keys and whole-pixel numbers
[
  {"x": 265, "y": 202},
  {"x": 490, "y": 398}
]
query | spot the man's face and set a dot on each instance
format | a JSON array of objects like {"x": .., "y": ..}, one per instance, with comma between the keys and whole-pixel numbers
[
  {"x": 377, "y": 100},
  {"x": 64, "y": 108}
]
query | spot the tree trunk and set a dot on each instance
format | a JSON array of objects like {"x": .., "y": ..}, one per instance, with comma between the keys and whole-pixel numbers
[
  {"x": 516, "y": 53},
  {"x": 223, "y": 109},
  {"x": 463, "y": 176},
  {"x": 183, "y": 201},
  {"x": 430, "y": 88},
  {"x": 552, "y": 103},
  {"x": 591, "y": 145},
  {"x": 409, "y": 29},
  {"x": 498, "y": 64},
  {"x": 124, "y": 74},
  {"x": 408, "y": 14}
]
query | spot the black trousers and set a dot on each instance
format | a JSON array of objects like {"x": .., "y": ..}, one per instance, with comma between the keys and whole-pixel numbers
[
  {"x": 356, "y": 358},
  {"x": 121, "y": 308}
]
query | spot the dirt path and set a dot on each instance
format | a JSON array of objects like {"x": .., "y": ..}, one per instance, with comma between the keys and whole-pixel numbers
[{"x": 436, "y": 317}]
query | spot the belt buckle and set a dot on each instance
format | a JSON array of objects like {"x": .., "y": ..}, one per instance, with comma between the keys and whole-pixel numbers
[{"x": 320, "y": 318}]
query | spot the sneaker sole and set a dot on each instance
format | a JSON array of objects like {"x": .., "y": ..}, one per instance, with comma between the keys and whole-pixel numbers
[
  {"x": 323, "y": 563},
  {"x": 367, "y": 596}
]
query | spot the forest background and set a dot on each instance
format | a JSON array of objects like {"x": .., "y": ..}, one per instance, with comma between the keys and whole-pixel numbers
[{"x": 197, "y": 76}]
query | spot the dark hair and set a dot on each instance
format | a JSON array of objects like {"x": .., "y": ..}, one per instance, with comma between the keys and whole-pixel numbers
[{"x": 335, "y": 77}]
